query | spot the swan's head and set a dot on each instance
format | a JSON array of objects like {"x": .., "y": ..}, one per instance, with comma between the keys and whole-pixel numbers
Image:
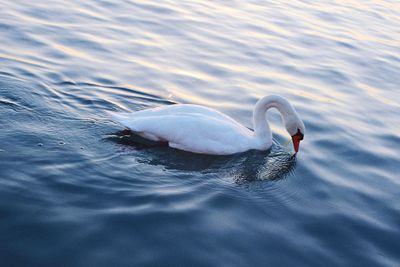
[{"x": 295, "y": 127}]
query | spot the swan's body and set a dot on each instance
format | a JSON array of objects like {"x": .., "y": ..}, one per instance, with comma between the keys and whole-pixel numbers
[{"x": 204, "y": 130}]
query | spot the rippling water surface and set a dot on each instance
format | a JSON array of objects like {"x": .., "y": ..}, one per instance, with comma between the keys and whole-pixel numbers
[{"x": 75, "y": 191}]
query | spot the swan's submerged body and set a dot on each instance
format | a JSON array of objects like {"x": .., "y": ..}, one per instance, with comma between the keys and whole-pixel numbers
[{"x": 204, "y": 130}]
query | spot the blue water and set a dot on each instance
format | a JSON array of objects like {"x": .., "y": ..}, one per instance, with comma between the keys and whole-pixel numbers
[{"x": 75, "y": 191}]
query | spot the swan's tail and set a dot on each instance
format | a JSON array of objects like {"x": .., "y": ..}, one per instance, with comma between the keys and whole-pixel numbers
[
  {"x": 125, "y": 119},
  {"x": 119, "y": 117}
]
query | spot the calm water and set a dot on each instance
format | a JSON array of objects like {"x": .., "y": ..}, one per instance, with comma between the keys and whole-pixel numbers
[{"x": 75, "y": 192}]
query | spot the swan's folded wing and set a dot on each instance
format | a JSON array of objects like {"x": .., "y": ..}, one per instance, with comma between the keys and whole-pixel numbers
[{"x": 192, "y": 132}]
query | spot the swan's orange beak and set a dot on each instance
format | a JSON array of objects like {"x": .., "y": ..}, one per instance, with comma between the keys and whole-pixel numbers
[{"x": 296, "y": 140}]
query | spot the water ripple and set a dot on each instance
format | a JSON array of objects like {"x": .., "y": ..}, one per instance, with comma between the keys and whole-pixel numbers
[{"x": 69, "y": 176}]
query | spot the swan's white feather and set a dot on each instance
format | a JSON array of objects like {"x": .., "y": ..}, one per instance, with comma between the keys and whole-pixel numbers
[
  {"x": 204, "y": 130},
  {"x": 191, "y": 128}
]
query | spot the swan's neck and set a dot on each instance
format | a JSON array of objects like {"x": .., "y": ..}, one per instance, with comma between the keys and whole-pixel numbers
[{"x": 262, "y": 130}]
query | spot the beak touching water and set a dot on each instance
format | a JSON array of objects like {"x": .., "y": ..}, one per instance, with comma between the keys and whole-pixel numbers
[{"x": 296, "y": 140}]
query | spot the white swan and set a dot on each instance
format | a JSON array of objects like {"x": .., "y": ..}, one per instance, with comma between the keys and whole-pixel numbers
[{"x": 204, "y": 130}]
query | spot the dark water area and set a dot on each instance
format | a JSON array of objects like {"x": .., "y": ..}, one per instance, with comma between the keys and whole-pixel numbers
[{"x": 77, "y": 190}]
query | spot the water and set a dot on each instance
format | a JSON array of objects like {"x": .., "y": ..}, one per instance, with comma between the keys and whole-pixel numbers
[{"x": 74, "y": 191}]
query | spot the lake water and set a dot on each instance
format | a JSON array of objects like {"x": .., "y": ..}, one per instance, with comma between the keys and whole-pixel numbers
[{"x": 75, "y": 191}]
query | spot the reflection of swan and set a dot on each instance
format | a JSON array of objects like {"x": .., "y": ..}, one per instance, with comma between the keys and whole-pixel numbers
[{"x": 207, "y": 131}]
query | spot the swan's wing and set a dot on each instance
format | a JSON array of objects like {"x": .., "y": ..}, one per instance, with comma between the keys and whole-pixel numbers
[
  {"x": 188, "y": 109},
  {"x": 177, "y": 109},
  {"x": 201, "y": 132},
  {"x": 184, "y": 110}
]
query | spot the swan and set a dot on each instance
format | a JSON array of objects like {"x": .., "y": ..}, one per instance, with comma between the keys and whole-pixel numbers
[{"x": 203, "y": 130}]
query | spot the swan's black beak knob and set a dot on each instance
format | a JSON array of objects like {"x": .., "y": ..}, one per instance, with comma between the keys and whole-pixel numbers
[{"x": 296, "y": 140}]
